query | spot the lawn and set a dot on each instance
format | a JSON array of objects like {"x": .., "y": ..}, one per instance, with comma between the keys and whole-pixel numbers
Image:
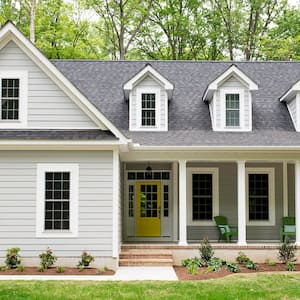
[{"x": 242, "y": 286}]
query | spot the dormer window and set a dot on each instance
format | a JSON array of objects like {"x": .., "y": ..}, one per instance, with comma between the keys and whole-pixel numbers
[
  {"x": 10, "y": 89},
  {"x": 232, "y": 110},
  {"x": 148, "y": 109}
]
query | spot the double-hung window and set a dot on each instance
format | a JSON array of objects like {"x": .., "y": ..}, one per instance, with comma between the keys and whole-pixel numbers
[
  {"x": 148, "y": 109},
  {"x": 232, "y": 102},
  {"x": 57, "y": 199}
]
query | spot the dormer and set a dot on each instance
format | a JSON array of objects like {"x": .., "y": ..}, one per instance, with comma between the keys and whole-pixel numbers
[
  {"x": 292, "y": 99},
  {"x": 148, "y": 93},
  {"x": 230, "y": 101}
]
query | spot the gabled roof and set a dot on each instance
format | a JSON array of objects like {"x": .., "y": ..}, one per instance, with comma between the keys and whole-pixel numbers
[
  {"x": 189, "y": 118},
  {"x": 291, "y": 92},
  {"x": 10, "y": 33},
  {"x": 148, "y": 70},
  {"x": 233, "y": 70}
]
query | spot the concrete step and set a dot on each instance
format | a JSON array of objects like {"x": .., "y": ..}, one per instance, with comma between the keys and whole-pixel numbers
[{"x": 146, "y": 262}]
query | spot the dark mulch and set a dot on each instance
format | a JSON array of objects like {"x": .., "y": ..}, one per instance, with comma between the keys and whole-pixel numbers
[
  {"x": 183, "y": 274},
  {"x": 52, "y": 271}
]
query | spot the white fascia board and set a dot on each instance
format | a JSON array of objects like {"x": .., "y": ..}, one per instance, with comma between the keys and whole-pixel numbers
[
  {"x": 10, "y": 33},
  {"x": 128, "y": 86},
  {"x": 233, "y": 70},
  {"x": 290, "y": 93}
]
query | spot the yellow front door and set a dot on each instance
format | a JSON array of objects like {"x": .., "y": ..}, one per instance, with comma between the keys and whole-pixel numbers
[{"x": 148, "y": 208}]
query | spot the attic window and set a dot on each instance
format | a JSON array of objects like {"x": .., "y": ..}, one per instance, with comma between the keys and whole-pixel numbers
[
  {"x": 148, "y": 109},
  {"x": 232, "y": 110},
  {"x": 10, "y": 89}
]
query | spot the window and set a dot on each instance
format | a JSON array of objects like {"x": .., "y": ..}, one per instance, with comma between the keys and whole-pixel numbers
[
  {"x": 131, "y": 200},
  {"x": 57, "y": 200},
  {"x": 203, "y": 198},
  {"x": 148, "y": 110},
  {"x": 260, "y": 196},
  {"x": 232, "y": 109},
  {"x": 13, "y": 99}
]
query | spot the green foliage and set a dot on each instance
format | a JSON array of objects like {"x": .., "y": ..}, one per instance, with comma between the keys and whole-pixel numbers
[
  {"x": 20, "y": 268},
  {"x": 251, "y": 265},
  {"x": 232, "y": 267},
  {"x": 41, "y": 269},
  {"x": 101, "y": 270},
  {"x": 290, "y": 266},
  {"x": 2, "y": 268},
  {"x": 80, "y": 268},
  {"x": 242, "y": 258},
  {"x": 85, "y": 259},
  {"x": 60, "y": 269},
  {"x": 270, "y": 262},
  {"x": 13, "y": 258},
  {"x": 206, "y": 251},
  {"x": 47, "y": 259},
  {"x": 192, "y": 269},
  {"x": 215, "y": 264},
  {"x": 191, "y": 261},
  {"x": 287, "y": 251}
]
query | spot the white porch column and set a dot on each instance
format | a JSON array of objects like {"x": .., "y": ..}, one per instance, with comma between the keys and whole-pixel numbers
[
  {"x": 182, "y": 203},
  {"x": 241, "y": 179},
  {"x": 297, "y": 201}
]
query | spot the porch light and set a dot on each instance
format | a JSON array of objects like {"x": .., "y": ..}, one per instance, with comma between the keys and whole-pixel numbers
[{"x": 148, "y": 173}]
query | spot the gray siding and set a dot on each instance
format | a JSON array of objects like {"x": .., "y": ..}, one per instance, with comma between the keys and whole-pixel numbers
[
  {"x": 18, "y": 203},
  {"x": 162, "y": 103},
  {"x": 291, "y": 189},
  {"x": 228, "y": 203},
  {"x": 48, "y": 105},
  {"x": 292, "y": 106}
]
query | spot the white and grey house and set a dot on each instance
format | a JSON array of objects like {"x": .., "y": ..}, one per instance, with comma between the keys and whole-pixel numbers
[{"x": 99, "y": 154}]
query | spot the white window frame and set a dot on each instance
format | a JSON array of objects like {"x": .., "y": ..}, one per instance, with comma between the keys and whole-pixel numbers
[
  {"x": 215, "y": 179},
  {"x": 223, "y": 93},
  {"x": 40, "y": 200},
  {"x": 23, "y": 98},
  {"x": 271, "y": 174},
  {"x": 148, "y": 90}
]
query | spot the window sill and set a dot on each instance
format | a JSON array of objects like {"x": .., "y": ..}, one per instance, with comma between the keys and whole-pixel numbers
[
  {"x": 58, "y": 234},
  {"x": 201, "y": 223},
  {"x": 261, "y": 223}
]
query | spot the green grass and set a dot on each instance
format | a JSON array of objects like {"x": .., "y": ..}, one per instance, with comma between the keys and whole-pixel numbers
[{"x": 255, "y": 286}]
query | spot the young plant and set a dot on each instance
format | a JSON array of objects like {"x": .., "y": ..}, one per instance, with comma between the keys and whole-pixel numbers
[
  {"x": 206, "y": 251},
  {"x": 232, "y": 267},
  {"x": 242, "y": 258},
  {"x": 251, "y": 265},
  {"x": 85, "y": 259},
  {"x": 41, "y": 269},
  {"x": 80, "y": 268},
  {"x": 20, "y": 268},
  {"x": 270, "y": 263},
  {"x": 2, "y": 268},
  {"x": 60, "y": 269},
  {"x": 101, "y": 270},
  {"x": 290, "y": 266},
  {"x": 215, "y": 264},
  {"x": 47, "y": 259},
  {"x": 287, "y": 251},
  {"x": 13, "y": 258},
  {"x": 191, "y": 261},
  {"x": 192, "y": 269}
]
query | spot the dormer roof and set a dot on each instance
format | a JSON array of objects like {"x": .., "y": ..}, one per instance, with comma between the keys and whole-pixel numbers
[
  {"x": 233, "y": 70},
  {"x": 291, "y": 92},
  {"x": 148, "y": 70}
]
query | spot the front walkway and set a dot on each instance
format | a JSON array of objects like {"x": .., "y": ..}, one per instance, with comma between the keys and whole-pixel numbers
[{"x": 122, "y": 274}]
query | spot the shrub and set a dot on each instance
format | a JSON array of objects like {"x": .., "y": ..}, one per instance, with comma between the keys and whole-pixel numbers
[
  {"x": 13, "y": 258},
  {"x": 47, "y": 259},
  {"x": 20, "y": 268},
  {"x": 41, "y": 269},
  {"x": 191, "y": 261},
  {"x": 192, "y": 269},
  {"x": 242, "y": 258},
  {"x": 270, "y": 262},
  {"x": 60, "y": 269},
  {"x": 80, "y": 268},
  {"x": 251, "y": 265},
  {"x": 2, "y": 268},
  {"x": 286, "y": 252},
  {"x": 290, "y": 266},
  {"x": 206, "y": 251},
  {"x": 215, "y": 264},
  {"x": 232, "y": 267},
  {"x": 101, "y": 270},
  {"x": 85, "y": 260}
]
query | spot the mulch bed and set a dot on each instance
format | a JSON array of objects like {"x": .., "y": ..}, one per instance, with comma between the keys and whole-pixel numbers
[
  {"x": 52, "y": 271},
  {"x": 183, "y": 274}
]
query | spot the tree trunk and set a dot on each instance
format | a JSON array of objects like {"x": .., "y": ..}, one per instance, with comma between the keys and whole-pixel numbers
[{"x": 32, "y": 21}]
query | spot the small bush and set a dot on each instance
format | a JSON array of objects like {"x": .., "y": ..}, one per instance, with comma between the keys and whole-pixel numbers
[
  {"x": 206, "y": 251},
  {"x": 242, "y": 258},
  {"x": 192, "y": 269},
  {"x": 2, "y": 268},
  {"x": 215, "y": 264},
  {"x": 41, "y": 269},
  {"x": 47, "y": 259},
  {"x": 232, "y": 267},
  {"x": 20, "y": 268},
  {"x": 270, "y": 263},
  {"x": 290, "y": 266},
  {"x": 286, "y": 252},
  {"x": 60, "y": 269},
  {"x": 101, "y": 270},
  {"x": 251, "y": 265},
  {"x": 85, "y": 259},
  {"x": 80, "y": 268},
  {"x": 13, "y": 258},
  {"x": 191, "y": 261}
]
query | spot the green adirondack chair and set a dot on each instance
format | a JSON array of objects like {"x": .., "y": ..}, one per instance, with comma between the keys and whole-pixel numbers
[
  {"x": 288, "y": 228},
  {"x": 226, "y": 232}
]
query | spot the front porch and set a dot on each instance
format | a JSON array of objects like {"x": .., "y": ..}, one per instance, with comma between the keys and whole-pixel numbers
[{"x": 182, "y": 221}]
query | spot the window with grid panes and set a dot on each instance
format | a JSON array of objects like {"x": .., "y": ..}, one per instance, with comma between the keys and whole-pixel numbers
[
  {"x": 202, "y": 197},
  {"x": 258, "y": 197},
  {"x": 232, "y": 109},
  {"x": 10, "y": 93},
  {"x": 148, "y": 109},
  {"x": 57, "y": 200}
]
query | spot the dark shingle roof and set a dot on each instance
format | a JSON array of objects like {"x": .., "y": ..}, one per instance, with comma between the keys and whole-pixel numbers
[{"x": 189, "y": 119}]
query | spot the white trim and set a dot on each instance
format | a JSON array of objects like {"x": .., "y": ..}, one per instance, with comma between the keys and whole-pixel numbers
[
  {"x": 40, "y": 200},
  {"x": 271, "y": 174},
  {"x": 22, "y": 75},
  {"x": 10, "y": 33},
  {"x": 115, "y": 205},
  {"x": 297, "y": 201},
  {"x": 182, "y": 203},
  {"x": 285, "y": 189},
  {"x": 289, "y": 94},
  {"x": 215, "y": 179}
]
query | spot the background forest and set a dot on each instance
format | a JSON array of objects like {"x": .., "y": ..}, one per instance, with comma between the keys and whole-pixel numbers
[{"x": 159, "y": 29}]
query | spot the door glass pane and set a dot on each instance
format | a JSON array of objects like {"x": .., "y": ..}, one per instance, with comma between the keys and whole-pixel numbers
[{"x": 148, "y": 201}]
